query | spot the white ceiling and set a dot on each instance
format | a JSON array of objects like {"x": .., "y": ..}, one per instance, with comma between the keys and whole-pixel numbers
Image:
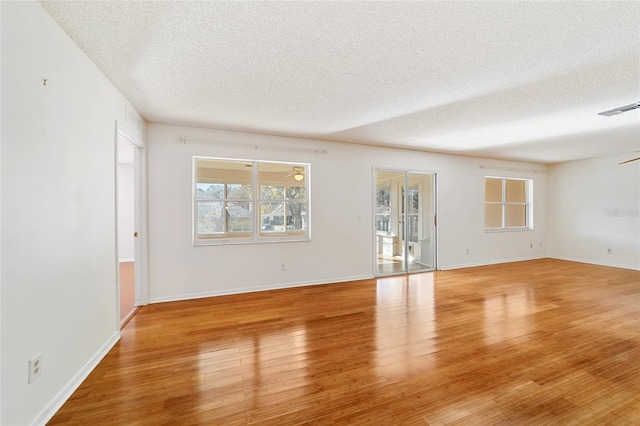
[{"x": 512, "y": 80}]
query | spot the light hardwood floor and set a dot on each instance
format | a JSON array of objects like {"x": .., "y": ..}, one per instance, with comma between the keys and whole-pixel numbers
[
  {"x": 127, "y": 289},
  {"x": 536, "y": 342}
]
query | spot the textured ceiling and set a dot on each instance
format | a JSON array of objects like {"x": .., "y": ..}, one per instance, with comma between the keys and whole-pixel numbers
[{"x": 512, "y": 80}]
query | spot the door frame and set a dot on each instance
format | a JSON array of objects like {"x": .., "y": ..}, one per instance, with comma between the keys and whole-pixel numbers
[
  {"x": 141, "y": 243},
  {"x": 406, "y": 172}
]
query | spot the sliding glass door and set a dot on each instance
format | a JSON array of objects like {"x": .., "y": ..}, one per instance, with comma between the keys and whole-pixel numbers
[{"x": 405, "y": 222}]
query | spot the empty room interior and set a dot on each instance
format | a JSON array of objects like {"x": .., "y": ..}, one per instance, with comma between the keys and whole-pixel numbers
[{"x": 320, "y": 213}]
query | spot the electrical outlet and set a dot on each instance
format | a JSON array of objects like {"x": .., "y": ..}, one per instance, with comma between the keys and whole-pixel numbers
[
  {"x": 283, "y": 266},
  {"x": 35, "y": 367},
  {"x": 609, "y": 251}
]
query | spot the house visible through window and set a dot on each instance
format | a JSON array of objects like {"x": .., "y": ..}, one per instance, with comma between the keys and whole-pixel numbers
[
  {"x": 507, "y": 204},
  {"x": 227, "y": 208}
]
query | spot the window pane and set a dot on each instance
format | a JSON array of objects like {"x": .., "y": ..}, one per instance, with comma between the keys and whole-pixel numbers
[
  {"x": 237, "y": 191},
  {"x": 516, "y": 215},
  {"x": 515, "y": 191},
  {"x": 413, "y": 227},
  {"x": 493, "y": 216},
  {"x": 414, "y": 202},
  {"x": 296, "y": 216},
  {"x": 210, "y": 190},
  {"x": 283, "y": 211},
  {"x": 210, "y": 217},
  {"x": 382, "y": 223},
  {"x": 283, "y": 217},
  {"x": 272, "y": 217},
  {"x": 514, "y": 206},
  {"x": 296, "y": 193},
  {"x": 239, "y": 217},
  {"x": 493, "y": 190},
  {"x": 271, "y": 192},
  {"x": 383, "y": 207}
]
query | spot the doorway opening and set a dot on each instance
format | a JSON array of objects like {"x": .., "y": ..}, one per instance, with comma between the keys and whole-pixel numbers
[
  {"x": 126, "y": 229},
  {"x": 132, "y": 259},
  {"x": 405, "y": 227}
]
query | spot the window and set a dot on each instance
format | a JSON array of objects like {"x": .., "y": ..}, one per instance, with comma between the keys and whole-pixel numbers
[
  {"x": 228, "y": 208},
  {"x": 383, "y": 207},
  {"x": 507, "y": 204}
]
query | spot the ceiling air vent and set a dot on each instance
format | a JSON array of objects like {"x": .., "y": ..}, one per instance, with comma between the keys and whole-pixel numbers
[{"x": 620, "y": 110}]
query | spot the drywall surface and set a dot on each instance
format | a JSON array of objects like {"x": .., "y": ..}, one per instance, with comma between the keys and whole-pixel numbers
[
  {"x": 594, "y": 211},
  {"x": 58, "y": 213},
  {"x": 341, "y": 247}
]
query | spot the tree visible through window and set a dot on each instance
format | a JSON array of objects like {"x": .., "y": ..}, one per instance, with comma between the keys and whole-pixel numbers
[
  {"x": 507, "y": 204},
  {"x": 225, "y": 200},
  {"x": 383, "y": 207}
]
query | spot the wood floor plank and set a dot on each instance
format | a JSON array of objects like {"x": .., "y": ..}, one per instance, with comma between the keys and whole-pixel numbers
[{"x": 537, "y": 342}]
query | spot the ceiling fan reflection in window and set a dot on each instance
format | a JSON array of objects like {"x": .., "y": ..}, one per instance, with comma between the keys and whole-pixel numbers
[{"x": 297, "y": 173}]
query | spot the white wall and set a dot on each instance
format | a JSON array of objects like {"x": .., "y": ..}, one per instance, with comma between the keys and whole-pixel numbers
[
  {"x": 125, "y": 212},
  {"x": 58, "y": 248},
  {"x": 594, "y": 205},
  {"x": 341, "y": 188}
]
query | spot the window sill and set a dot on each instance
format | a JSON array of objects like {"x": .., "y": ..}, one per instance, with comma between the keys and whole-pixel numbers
[
  {"x": 249, "y": 241},
  {"x": 498, "y": 230}
]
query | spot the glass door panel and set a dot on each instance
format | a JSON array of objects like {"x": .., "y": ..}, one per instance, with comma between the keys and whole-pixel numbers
[
  {"x": 404, "y": 218},
  {"x": 420, "y": 229},
  {"x": 388, "y": 220}
]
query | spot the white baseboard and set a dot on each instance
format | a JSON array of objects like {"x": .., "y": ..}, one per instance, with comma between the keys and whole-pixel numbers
[
  {"x": 214, "y": 293},
  {"x": 65, "y": 393},
  {"x": 126, "y": 260},
  {"x": 486, "y": 263},
  {"x": 595, "y": 262}
]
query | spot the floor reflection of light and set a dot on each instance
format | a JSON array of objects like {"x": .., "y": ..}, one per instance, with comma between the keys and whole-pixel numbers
[
  {"x": 405, "y": 325},
  {"x": 507, "y": 315},
  {"x": 254, "y": 368},
  {"x": 277, "y": 362}
]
